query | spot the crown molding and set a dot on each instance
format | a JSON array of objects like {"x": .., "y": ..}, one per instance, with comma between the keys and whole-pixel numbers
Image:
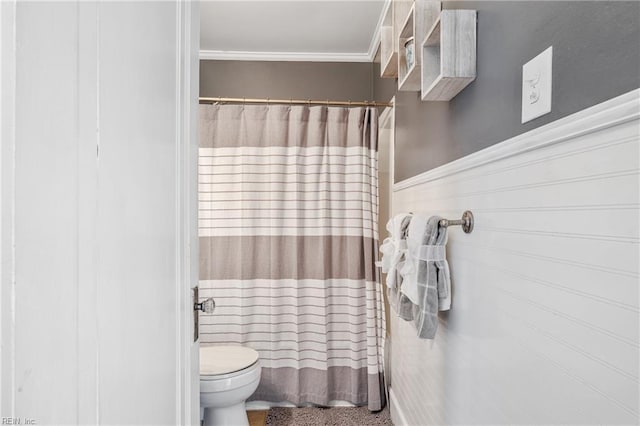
[{"x": 285, "y": 56}]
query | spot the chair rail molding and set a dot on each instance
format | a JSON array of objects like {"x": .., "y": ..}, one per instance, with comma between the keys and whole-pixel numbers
[{"x": 610, "y": 113}]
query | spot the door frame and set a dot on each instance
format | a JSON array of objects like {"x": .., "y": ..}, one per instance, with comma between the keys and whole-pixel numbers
[
  {"x": 187, "y": 254},
  {"x": 7, "y": 197}
]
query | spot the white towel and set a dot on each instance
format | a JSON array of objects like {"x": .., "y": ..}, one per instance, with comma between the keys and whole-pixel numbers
[
  {"x": 409, "y": 270},
  {"x": 398, "y": 301},
  {"x": 392, "y": 248}
]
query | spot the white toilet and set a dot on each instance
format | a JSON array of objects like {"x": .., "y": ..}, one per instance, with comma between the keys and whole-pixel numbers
[{"x": 228, "y": 376}]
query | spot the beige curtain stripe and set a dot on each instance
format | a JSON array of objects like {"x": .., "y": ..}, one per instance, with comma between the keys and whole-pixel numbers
[
  {"x": 311, "y": 257},
  {"x": 342, "y": 383},
  {"x": 270, "y": 125}
]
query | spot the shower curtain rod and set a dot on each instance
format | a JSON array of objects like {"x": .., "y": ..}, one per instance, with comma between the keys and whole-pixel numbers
[{"x": 293, "y": 102}]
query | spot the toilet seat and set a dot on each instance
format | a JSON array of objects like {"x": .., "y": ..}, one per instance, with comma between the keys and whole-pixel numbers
[
  {"x": 223, "y": 362},
  {"x": 228, "y": 376}
]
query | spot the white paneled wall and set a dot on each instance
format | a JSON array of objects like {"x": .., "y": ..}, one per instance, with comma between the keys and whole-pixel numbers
[{"x": 545, "y": 316}]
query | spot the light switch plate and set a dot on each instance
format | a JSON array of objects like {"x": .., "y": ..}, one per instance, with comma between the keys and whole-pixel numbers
[{"x": 536, "y": 86}]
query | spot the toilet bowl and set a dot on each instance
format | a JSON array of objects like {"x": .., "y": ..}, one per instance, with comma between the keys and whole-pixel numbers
[{"x": 228, "y": 376}]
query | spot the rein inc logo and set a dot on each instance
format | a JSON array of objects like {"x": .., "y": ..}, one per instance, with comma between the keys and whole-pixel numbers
[{"x": 18, "y": 421}]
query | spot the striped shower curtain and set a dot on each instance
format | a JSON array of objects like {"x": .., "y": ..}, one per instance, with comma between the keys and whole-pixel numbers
[{"x": 288, "y": 238}]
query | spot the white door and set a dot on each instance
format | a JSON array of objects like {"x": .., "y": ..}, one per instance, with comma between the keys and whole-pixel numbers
[{"x": 98, "y": 120}]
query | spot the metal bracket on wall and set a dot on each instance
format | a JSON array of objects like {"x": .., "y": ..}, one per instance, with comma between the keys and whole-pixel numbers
[{"x": 466, "y": 222}]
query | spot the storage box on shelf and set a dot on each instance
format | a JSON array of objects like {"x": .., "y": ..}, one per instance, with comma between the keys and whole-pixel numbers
[{"x": 448, "y": 55}]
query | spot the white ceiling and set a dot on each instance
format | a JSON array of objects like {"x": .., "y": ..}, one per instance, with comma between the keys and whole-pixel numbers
[{"x": 305, "y": 30}]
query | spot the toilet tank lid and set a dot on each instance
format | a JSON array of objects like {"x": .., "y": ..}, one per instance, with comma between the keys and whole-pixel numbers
[{"x": 225, "y": 359}]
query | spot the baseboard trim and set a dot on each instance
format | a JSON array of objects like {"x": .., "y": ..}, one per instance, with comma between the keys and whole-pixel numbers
[{"x": 397, "y": 415}]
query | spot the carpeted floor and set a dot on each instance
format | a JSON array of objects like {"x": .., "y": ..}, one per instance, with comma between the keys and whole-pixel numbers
[{"x": 334, "y": 416}]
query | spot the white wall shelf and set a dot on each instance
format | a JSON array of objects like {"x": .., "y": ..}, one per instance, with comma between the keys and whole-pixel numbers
[
  {"x": 388, "y": 47},
  {"x": 419, "y": 18},
  {"x": 448, "y": 55},
  {"x": 394, "y": 16},
  {"x": 408, "y": 74}
]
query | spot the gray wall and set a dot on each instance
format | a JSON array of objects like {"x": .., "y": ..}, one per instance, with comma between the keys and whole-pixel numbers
[
  {"x": 596, "y": 56},
  {"x": 297, "y": 80}
]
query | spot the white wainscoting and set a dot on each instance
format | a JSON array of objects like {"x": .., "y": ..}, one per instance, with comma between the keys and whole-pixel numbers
[{"x": 545, "y": 317}]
